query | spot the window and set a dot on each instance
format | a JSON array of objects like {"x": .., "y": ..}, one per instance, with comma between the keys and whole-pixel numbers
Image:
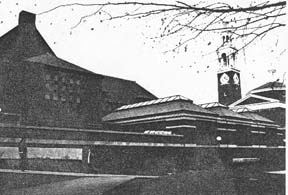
[
  {"x": 233, "y": 56},
  {"x": 63, "y": 99},
  {"x": 224, "y": 58},
  {"x": 55, "y": 96},
  {"x": 47, "y": 96},
  {"x": 63, "y": 88},
  {"x": 47, "y": 76}
]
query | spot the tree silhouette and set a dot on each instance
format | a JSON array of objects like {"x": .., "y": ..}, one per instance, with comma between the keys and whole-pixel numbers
[{"x": 186, "y": 22}]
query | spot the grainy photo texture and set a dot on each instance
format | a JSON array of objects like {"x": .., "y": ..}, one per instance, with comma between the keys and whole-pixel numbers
[{"x": 142, "y": 97}]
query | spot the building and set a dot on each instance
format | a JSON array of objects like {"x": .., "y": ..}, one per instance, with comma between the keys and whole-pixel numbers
[
  {"x": 268, "y": 100},
  {"x": 67, "y": 116},
  {"x": 206, "y": 124},
  {"x": 48, "y": 91}
]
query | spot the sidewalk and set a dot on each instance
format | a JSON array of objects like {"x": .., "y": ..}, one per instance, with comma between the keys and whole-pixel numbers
[
  {"x": 31, "y": 182},
  {"x": 74, "y": 174}
]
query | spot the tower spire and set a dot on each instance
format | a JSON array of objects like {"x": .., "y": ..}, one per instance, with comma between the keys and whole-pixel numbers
[{"x": 229, "y": 89}]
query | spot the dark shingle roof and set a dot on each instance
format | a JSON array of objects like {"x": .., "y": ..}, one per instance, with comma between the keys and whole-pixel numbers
[
  {"x": 23, "y": 42},
  {"x": 115, "y": 88},
  {"x": 52, "y": 60},
  {"x": 123, "y": 91}
]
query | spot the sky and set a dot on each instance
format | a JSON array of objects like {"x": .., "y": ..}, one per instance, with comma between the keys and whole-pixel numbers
[{"x": 123, "y": 49}]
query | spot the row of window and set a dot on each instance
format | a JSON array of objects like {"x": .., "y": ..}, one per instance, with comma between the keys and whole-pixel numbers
[
  {"x": 49, "y": 77},
  {"x": 55, "y": 97},
  {"x": 62, "y": 88},
  {"x": 226, "y": 58}
]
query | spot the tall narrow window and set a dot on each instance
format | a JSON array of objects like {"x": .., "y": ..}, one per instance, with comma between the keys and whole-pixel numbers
[
  {"x": 224, "y": 58},
  {"x": 233, "y": 56}
]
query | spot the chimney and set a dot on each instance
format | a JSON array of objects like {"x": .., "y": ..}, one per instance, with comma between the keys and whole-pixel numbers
[{"x": 26, "y": 18}]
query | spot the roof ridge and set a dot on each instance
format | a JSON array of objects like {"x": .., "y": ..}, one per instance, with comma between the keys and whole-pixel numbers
[
  {"x": 268, "y": 85},
  {"x": 153, "y": 102},
  {"x": 37, "y": 59},
  {"x": 212, "y": 104}
]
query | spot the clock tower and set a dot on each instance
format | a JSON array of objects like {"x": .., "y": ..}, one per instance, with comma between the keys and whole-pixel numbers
[{"x": 229, "y": 89}]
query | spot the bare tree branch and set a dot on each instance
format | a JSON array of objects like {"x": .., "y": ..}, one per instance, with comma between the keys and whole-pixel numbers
[{"x": 186, "y": 20}]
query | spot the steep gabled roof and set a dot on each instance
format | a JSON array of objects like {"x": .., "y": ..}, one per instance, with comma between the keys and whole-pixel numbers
[
  {"x": 24, "y": 40},
  {"x": 116, "y": 89},
  {"x": 25, "y": 43}
]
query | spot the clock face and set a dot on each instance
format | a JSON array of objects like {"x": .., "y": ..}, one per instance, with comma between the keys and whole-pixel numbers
[
  {"x": 224, "y": 79},
  {"x": 236, "y": 79}
]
